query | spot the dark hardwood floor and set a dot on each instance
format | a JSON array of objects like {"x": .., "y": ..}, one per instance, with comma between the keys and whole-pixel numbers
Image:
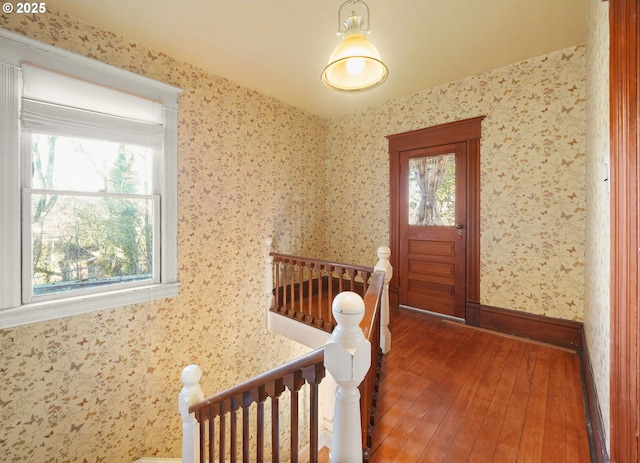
[{"x": 452, "y": 393}]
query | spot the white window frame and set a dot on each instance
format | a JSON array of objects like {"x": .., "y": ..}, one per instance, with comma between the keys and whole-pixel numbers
[{"x": 14, "y": 50}]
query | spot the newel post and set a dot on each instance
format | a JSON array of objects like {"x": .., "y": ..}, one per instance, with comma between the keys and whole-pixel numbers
[
  {"x": 191, "y": 393},
  {"x": 384, "y": 253},
  {"x": 347, "y": 356}
]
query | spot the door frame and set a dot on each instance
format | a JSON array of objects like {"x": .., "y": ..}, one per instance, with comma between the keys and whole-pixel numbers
[
  {"x": 468, "y": 131},
  {"x": 624, "y": 74}
]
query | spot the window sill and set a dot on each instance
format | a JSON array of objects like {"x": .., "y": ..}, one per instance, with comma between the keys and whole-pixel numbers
[{"x": 66, "y": 307}]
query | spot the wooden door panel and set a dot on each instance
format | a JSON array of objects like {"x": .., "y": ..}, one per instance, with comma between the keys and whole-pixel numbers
[
  {"x": 431, "y": 248},
  {"x": 432, "y": 303},
  {"x": 431, "y": 288},
  {"x": 430, "y": 271},
  {"x": 432, "y": 267}
]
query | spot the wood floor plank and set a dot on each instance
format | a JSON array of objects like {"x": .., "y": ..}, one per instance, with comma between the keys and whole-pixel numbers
[
  {"x": 441, "y": 394},
  {"x": 511, "y": 432},
  {"x": 487, "y": 440},
  {"x": 452, "y": 393},
  {"x": 576, "y": 431},
  {"x": 446, "y": 436},
  {"x": 398, "y": 395},
  {"x": 471, "y": 424},
  {"x": 530, "y": 449},
  {"x": 554, "y": 440},
  {"x": 415, "y": 397}
]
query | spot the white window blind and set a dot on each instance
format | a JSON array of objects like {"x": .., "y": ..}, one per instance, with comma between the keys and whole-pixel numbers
[{"x": 63, "y": 105}]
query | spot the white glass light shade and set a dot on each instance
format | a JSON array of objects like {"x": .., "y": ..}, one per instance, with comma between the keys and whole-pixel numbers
[{"x": 354, "y": 66}]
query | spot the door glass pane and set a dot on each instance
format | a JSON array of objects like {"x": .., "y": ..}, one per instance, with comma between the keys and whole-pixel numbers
[{"x": 432, "y": 190}]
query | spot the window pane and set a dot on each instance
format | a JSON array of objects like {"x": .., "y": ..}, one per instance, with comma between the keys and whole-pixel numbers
[
  {"x": 432, "y": 190},
  {"x": 88, "y": 241},
  {"x": 75, "y": 164}
]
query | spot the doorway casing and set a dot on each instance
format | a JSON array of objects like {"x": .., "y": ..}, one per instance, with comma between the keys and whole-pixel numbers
[{"x": 467, "y": 131}]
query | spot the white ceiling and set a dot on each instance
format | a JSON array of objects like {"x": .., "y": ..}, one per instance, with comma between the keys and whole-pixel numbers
[{"x": 279, "y": 47}]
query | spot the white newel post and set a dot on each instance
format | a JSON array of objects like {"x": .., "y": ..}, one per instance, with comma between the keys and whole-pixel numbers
[
  {"x": 347, "y": 356},
  {"x": 268, "y": 276},
  {"x": 384, "y": 253},
  {"x": 191, "y": 393}
]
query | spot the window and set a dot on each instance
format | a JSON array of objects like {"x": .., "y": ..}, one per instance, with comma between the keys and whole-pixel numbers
[
  {"x": 88, "y": 184},
  {"x": 91, "y": 209}
]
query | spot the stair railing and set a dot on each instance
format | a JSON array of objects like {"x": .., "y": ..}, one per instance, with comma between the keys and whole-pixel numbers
[
  {"x": 304, "y": 287},
  {"x": 211, "y": 428}
]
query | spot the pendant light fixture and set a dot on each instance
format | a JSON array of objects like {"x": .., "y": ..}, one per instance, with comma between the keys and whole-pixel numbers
[{"x": 355, "y": 65}]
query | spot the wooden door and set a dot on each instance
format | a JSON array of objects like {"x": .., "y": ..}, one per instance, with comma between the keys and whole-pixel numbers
[
  {"x": 409, "y": 267},
  {"x": 432, "y": 229}
]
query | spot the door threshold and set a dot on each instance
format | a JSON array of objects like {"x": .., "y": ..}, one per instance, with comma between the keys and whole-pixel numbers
[{"x": 435, "y": 314}]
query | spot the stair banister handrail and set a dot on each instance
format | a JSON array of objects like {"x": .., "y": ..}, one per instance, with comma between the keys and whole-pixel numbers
[
  {"x": 297, "y": 364},
  {"x": 289, "y": 257}
]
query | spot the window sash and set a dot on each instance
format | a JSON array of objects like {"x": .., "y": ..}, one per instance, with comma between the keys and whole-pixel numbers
[{"x": 27, "y": 248}]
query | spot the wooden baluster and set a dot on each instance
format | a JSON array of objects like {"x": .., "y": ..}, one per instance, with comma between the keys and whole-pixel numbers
[
  {"x": 259, "y": 395},
  {"x": 328, "y": 318},
  {"x": 292, "y": 289},
  {"x": 275, "y": 429},
  {"x": 294, "y": 383},
  {"x": 301, "y": 289},
  {"x": 201, "y": 432},
  {"x": 365, "y": 281},
  {"x": 285, "y": 268},
  {"x": 212, "y": 437},
  {"x": 233, "y": 438},
  {"x": 319, "y": 294},
  {"x": 225, "y": 407},
  {"x": 384, "y": 253},
  {"x": 352, "y": 279},
  {"x": 246, "y": 438},
  {"x": 347, "y": 356},
  {"x": 190, "y": 394},
  {"x": 314, "y": 375},
  {"x": 317, "y": 320},
  {"x": 274, "y": 389}
]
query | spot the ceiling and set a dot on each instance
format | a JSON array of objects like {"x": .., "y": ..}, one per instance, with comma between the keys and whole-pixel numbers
[{"x": 279, "y": 47}]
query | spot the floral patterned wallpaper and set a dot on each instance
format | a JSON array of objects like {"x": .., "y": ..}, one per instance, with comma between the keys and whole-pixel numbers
[
  {"x": 597, "y": 293},
  {"x": 103, "y": 386},
  {"x": 532, "y": 180}
]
